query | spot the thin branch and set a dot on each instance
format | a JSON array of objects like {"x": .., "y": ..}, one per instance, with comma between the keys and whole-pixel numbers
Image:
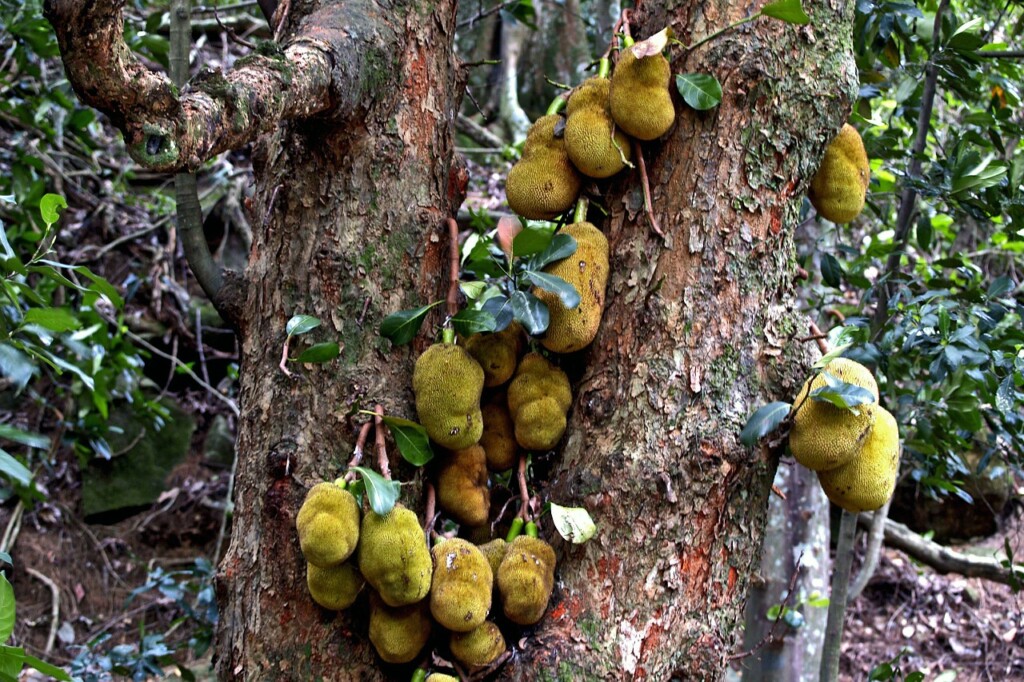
[
  {"x": 770, "y": 636},
  {"x": 54, "y": 606},
  {"x": 874, "y": 551},
  {"x": 648, "y": 207},
  {"x": 485, "y": 13},
  {"x": 524, "y": 493},
  {"x": 429, "y": 511},
  {"x": 382, "y": 453},
  {"x": 453, "y": 267},
  {"x": 1000, "y": 54},
  {"x": 837, "y": 598},
  {"x": 357, "y": 452},
  {"x": 228, "y": 509},
  {"x": 477, "y": 132},
  {"x": 819, "y": 336}
]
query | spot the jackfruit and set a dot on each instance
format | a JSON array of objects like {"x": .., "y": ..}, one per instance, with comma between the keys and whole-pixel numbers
[
  {"x": 525, "y": 579},
  {"x": 328, "y": 525},
  {"x": 441, "y": 677},
  {"x": 499, "y": 439},
  {"x": 825, "y": 436},
  {"x": 462, "y": 490},
  {"x": 867, "y": 482},
  {"x": 334, "y": 587},
  {"x": 588, "y": 131},
  {"x": 570, "y": 330},
  {"x": 495, "y": 551},
  {"x": 393, "y": 556},
  {"x": 640, "y": 101},
  {"x": 840, "y": 185},
  {"x": 479, "y": 647},
  {"x": 543, "y": 184},
  {"x": 538, "y": 400},
  {"x": 497, "y": 353},
  {"x": 460, "y": 595},
  {"x": 447, "y": 382},
  {"x": 398, "y": 633}
]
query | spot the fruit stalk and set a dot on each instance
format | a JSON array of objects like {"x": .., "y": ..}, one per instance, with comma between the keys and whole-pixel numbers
[
  {"x": 580, "y": 214},
  {"x": 837, "y": 598},
  {"x": 382, "y": 453},
  {"x": 453, "y": 270},
  {"x": 357, "y": 452}
]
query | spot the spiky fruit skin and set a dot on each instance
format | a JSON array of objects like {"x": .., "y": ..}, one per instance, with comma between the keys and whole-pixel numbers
[
  {"x": 460, "y": 595},
  {"x": 840, "y": 186},
  {"x": 334, "y": 587},
  {"x": 538, "y": 400},
  {"x": 398, "y": 633},
  {"x": 499, "y": 438},
  {"x": 393, "y": 556},
  {"x": 823, "y": 436},
  {"x": 543, "y": 184},
  {"x": 497, "y": 353},
  {"x": 588, "y": 131},
  {"x": 462, "y": 490},
  {"x": 479, "y": 647},
  {"x": 328, "y": 525},
  {"x": 447, "y": 382},
  {"x": 441, "y": 677},
  {"x": 525, "y": 579},
  {"x": 640, "y": 101},
  {"x": 495, "y": 551},
  {"x": 867, "y": 482},
  {"x": 569, "y": 330}
]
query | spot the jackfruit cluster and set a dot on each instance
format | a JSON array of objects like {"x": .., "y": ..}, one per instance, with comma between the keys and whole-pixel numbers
[
  {"x": 462, "y": 490},
  {"x": 328, "y": 525},
  {"x": 538, "y": 400},
  {"x": 840, "y": 185},
  {"x": 525, "y": 579},
  {"x": 543, "y": 183},
  {"x": 595, "y": 146},
  {"x": 479, "y": 647},
  {"x": 867, "y": 482},
  {"x": 460, "y": 594},
  {"x": 571, "y": 329},
  {"x": 447, "y": 382},
  {"x": 499, "y": 438},
  {"x": 639, "y": 100},
  {"x": 497, "y": 353},
  {"x": 398, "y": 633},
  {"x": 393, "y": 556}
]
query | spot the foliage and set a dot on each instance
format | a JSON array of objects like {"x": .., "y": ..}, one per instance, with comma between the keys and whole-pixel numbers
[{"x": 12, "y": 658}]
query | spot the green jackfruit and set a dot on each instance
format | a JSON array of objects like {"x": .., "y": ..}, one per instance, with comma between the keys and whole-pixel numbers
[
  {"x": 447, "y": 382},
  {"x": 497, "y": 353},
  {"x": 588, "y": 131},
  {"x": 479, "y": 647},
  {"x": 334, "y": 587},
  {"x": 495, "y": 551},
  {"x": 824, "y": 436},
  {"x": 460, "y": 595},
  {"x": 867, "y": 482},
  {"x": 525, "y": 579},
  {"x": 398, "y": 633},
  {"x": 499, "y": 438},
  {"x": 441, "y": 677},
  {"x": 328, "y": 525},
  {"x": 640, "y": 100},
  {"x": 840, "y": 185},
  {"x": 538, "y": 400},
  {"x": 570, "y": 330},
  {"x": 543, "y": 184},
  {"x": 393, "y": 556},
  {"x": 462, "y": 490}
]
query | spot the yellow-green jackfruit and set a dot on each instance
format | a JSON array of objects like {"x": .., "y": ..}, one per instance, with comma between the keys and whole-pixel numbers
[
  {"x": 570, "y": 330},
  {"x": 460, "y": 596},
  {"x": 543, "y": 184},
  {"x": 441, "y": 677},
  {"x": 495, "y": 551},
  {"x": 839, "y": 187},
  {"x": 589, "y": 131},
  {"x": 525, "y": 579},
  {"x": 867, "y": 482},
  {"x": 538, "y": 400},
  {"x": 499, "y": 438},
  {"x": 447, "y": 382},
  {"x": 334, "y": 587},
  {"x": 497, "y": 353},
  {"x": 479, "y": 647},
  {"x": 640, "y": 100},
  {"x": 824, "y": 436},
  {"x": 328, "y": 525},
  {"x": 398, "y": 633},
  {"x": 462, "y": 490},
  {"x": 393, "y": 556}
]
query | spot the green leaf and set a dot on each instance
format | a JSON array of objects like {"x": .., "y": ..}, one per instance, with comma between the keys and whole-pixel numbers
[
  {"x": 47, "y": 669},
  {"x": 32, "y": 440},
  {"x": 300, "y": 324},
  {"x": 12, "y": 660},
  {"x": 1000, "y": 285},
  {"x": 831, "y": 272},
  {"x": 841, "y": 394},
  {"x": 6, "y": 608},
  {"x": 573, "y": 523},
  {"x": 320, "y": 352},
  {"x": 700, "y": 90},
  {"x": 50, "y": 207},
  {"x": 411, "y": 439},
  {"x": 789, "y": 11},
  {"x": 500, "y": 307},
  {"x": 562, "y": 246},
  {"x": 765, "y": 420},
  {"x": 55, "y": 319},
  {"x": 14, "y": 469},
  {"x": 1004, "y": 395},
  {"x": 530, "y": 311},
  {"x": 402, "y": 327},
  {"x": 16, "y": 366},
  {"x": 566, "y": 292},
  {"x": 924, "y": 232},
  {"x": 468, "y": 322},
  {"x": 530, "y": 241},
  {"x": 381, "y": 492}
]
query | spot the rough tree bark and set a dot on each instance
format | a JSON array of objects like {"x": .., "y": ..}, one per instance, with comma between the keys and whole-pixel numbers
[{"x": 355, "y": 173}]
